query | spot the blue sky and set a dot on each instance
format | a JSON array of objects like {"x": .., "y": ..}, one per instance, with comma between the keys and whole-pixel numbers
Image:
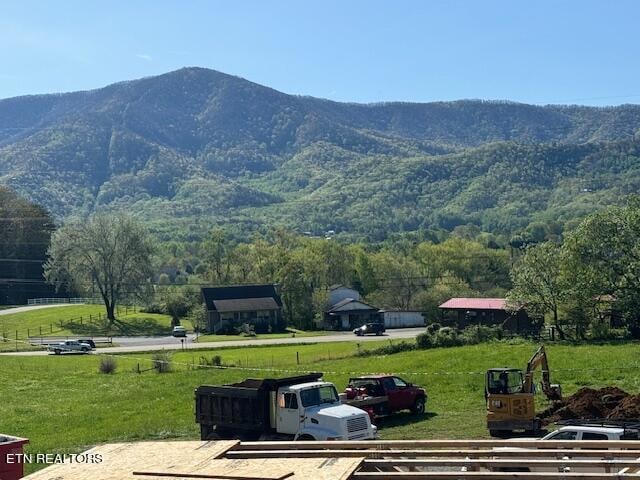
[{"x": 364, "y": 51}]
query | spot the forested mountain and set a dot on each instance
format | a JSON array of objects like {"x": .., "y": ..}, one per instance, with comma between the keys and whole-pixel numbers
[{"x": 195, "y": 148}]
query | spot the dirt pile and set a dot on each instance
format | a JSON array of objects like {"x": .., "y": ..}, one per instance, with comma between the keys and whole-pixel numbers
[{"x": 588, "y": 403}]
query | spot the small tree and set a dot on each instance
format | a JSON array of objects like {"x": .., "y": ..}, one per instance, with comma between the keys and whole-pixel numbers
[
  {"x": 109, "y": 253},
  {"x": 538, "y": 282},
  {"x": 176, "y": 304}
]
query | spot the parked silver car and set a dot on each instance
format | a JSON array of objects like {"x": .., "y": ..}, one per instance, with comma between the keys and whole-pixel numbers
[{"x": 69, "y": 346}]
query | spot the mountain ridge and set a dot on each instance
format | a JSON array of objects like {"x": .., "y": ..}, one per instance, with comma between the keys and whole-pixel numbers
[{"x": 207, "y": 143}]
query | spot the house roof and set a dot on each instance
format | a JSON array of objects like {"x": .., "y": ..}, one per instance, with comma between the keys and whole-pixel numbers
[
  {"x": 245, "y": 304},
  {"x": 338, "y": 306},
  {"x": 474, "y": 304},
  {"x": 246, "y": 293}
]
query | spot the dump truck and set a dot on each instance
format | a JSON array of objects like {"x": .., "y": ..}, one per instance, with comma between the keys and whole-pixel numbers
[
  {"x": 510, "y": 396},
  {"x": 299, "y": 408}
]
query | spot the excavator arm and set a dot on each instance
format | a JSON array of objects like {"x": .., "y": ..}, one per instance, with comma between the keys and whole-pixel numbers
[{"x": 539, "y": 359}]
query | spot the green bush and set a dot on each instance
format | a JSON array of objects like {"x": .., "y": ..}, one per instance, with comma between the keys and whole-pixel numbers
[
  {"x": 446, "y": 337},
  {"x": 424, "y": 340},
  {"x": 107, "y": 365},
  {"x": 153, "y": 307},
  {"x": 433, "y": 328},
  {"x": 474, "y": 334},
  {"x": 389, "y": 349},
  {"x": 161, "y": 362}
]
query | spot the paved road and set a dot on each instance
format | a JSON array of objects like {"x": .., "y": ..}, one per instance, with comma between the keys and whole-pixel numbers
[
  {"x": 7, "y": 311},
  {"x": 147, "y": 344}
]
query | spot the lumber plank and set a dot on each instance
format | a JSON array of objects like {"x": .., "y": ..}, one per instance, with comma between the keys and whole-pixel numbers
[
  {"x": 500, "y": 462},
  {"x": 440, "y": 444},
  {"x": 375, "y": 453},
  {"x": 485, "y": 475}
]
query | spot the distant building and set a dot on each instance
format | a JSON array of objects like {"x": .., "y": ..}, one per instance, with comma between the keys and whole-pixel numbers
[
  {"x": 402, "y": 318},
  {"x": 231, "y": 306},
  {"x": 462, "y": 312},
  {"x": 339, "y": 292},
  {"x": 349, "y": 313}
]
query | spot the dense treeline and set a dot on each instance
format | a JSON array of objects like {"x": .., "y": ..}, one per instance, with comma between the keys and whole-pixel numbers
[
  {"x": 399, "y": 275},
  {"x": 588, "y": 285}
]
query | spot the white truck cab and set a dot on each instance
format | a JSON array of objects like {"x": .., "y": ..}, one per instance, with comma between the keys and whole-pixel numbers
[{"x": 312, "y": 411}]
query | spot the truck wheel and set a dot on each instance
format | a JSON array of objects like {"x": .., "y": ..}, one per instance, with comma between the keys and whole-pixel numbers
[
  {"x": 306, "y": 438},
  {"x": 56, "y": 351},
  {"x": 418, "y": 406},
  {"x": 85, "y": 350}
]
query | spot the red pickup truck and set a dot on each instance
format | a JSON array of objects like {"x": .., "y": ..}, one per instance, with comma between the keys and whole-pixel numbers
[{"x": 384, "y": 394}]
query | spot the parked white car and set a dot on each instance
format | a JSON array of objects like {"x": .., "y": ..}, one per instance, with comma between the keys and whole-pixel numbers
[
  {"x": 179, "y": 331},
  {"x": 69, "y": 346},
  {"x": 595, "y": 431}
]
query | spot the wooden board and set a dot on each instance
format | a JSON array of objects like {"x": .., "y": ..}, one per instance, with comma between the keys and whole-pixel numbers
[
  {"x": 119, "y": 460},
  {"x": 400, "y": 453},
  {"x": 189, "y": 460},
  {"x": 268, "y": 469}
]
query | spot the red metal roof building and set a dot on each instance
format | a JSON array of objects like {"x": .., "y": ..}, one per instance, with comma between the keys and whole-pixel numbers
[
  {"x": 475, "y": 304},
  {"x": 462, "y": 312}
]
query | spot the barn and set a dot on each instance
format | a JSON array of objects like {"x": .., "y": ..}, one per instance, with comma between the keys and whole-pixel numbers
[{"x": 462, "y": 312}]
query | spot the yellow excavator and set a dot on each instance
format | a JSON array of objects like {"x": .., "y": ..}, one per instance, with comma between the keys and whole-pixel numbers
[{"x": 510, "y": 396}]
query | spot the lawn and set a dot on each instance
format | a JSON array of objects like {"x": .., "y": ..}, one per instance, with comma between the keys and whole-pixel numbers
[
  {"x": 82, "y": 408},
  {"x": 79, "y": 320}
]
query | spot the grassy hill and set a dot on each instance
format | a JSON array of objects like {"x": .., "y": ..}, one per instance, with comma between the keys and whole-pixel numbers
[{"x": 194, "y": 148}]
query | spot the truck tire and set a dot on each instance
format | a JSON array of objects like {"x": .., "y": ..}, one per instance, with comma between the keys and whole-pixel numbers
[
  {"x": 84, "y": 350},
  {"x": 418, "y": 406},
  {"x": 305, "y": 438},
  {"x": 57, "y": 351}
]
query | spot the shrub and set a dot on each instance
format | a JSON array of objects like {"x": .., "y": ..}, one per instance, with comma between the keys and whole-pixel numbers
[
  {"x": 474, "y": 334},
  {"x": 246, "y": 330},
  {"x": 153, "y": 307},
  {"x": 161, "y": 362},
  {"x": 107, "y": 365},
  {"x": 424, "y": 340},
  {"x": 446, "y": 337},
  {"x": 433, "y": 328},
  {"x": 215, "y": 361},
  {"x": 389, "y": 349}
]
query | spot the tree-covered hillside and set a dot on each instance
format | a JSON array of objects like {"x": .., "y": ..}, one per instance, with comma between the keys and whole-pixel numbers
[{"x": 195, "y": 148}]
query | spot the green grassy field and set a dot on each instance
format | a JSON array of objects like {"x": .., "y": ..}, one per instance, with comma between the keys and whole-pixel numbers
[
  {"x": 63, "y": 405},
  {"x": 79, "y": 320}
]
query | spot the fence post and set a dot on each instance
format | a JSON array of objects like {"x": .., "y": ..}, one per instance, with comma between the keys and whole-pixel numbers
[
  {"x": 80, "y": 319},
  {"x": 298, "y": 358},
  {"x": 51, "y": 327},
  {"x": 40, "y": 327},
  {"x": 16, "y": 340}
]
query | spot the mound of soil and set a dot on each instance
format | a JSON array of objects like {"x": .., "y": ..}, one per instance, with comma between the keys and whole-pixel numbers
[
  {"x": 629, "y": 408},
  {"x": 589, "y": 404}
]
